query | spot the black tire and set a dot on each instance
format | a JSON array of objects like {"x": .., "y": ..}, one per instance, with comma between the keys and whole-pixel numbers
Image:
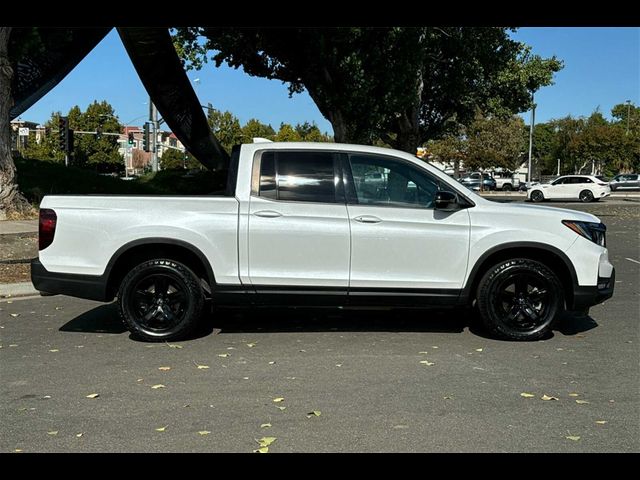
[
  {"x": 161, "y": 300},
  {"x": 586, "y": 196},
  {"x": 507, "y": 187},
  {"x": 537, "y": 196},
  {"x": 519, "y": 299}
]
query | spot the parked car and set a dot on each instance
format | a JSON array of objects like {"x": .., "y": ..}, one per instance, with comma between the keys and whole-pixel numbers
[
  {"x": 625, "y": 181},
  {"x": 585, "y": 188},
  {"x": 472, "y": 181},
  {"x": 506, "y": 181},
  {"x": 298, "y": 226}
]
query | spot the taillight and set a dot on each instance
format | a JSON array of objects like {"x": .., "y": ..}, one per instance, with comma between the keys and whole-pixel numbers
[{"x": 46, "y": 228}]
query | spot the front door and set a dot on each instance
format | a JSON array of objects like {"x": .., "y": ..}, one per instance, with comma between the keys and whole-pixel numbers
[
  {"x": 399, "y": 242},
  {"x": 298, "y": 225}
]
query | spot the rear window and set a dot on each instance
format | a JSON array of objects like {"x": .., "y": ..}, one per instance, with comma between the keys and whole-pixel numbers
[{"x": 298, "y": 176}]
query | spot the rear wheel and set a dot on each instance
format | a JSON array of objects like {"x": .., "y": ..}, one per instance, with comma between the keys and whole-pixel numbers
[
  {"x": 519, "y": 299},
  {"x": 507, "y": 187},
  {"x": 537, "y": 196},
  {"x": 161, "y": 300},
  {"x": 586, "y": 196}
]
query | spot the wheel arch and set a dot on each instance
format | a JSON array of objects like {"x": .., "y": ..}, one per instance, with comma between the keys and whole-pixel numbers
[
  {"x": 550, "y": 256},
  {"x": 137, "y": 251}
]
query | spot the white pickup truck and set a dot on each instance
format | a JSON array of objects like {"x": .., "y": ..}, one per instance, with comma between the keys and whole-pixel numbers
[{"x": 314, "y": 224}]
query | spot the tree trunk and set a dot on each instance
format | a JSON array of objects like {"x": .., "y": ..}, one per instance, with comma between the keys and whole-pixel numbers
[{"x": 10, "y": 198}]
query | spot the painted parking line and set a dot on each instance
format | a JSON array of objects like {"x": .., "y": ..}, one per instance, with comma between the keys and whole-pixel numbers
[{"x": 631, "y": 260}]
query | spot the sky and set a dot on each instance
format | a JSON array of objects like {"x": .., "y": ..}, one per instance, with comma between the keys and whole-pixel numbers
[{"x": 602, "y": 69}]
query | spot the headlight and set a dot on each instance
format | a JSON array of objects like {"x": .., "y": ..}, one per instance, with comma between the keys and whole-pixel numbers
[{"x": 589, "y": 230}]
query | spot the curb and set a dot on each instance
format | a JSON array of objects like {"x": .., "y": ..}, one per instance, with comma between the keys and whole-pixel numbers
[{"x": 17, "y": 290}]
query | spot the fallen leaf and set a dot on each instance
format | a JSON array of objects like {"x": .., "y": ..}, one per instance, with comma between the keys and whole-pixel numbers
[
  {"x": 259, "y": 450},
  {"x": 223, "y": 355},
  {"x": 46, "y": 397},
  {"x": 559, "y": 349},
  {"x": 170, "y": 345},
  {"x": 54, "y": 432},
  {"x": 574, "y": 394},
  {"x": 427, "y": 363},
  {"x": 164, "y": 369},
  {"x": 424, "y": 353},
  {"x": 245, "y": 378},
  {"x": 581, "y": 402},
  {"x": 231, "y": 348},
  {"x": 251, "y": 345},
  {"x": 281, "y": 408},
  {"x": 162, "y": 429},
  {"x": 204, "y": 432},
  {"x": 272, "y": 363},
  {"x": 18, "y": 450},
  {"x": 139, "y": 380},
  {"x": 547, "y": 397},
  {"x": 338, "y": 364},
  {"x": 315, "y": 413},
  {"x": 478, "y": 349},
  {"x": 266, "y": 441},
  {"x": 265, "y": 425},
  {"x": 447, "y": 398},
  {"x": 14, "y": 314},
  {"x": 78, "y": 435},
  {"x": 527, "y": 395},
  {"x": 58, "y": 308},
  {"x": 575, "y": 438},
  {"x": 155, "y": 387},
  {"x": 203, "y": 367},
  {"x": 54, "y": 350},
  {"x": 13, "y": 344},
  {"x": 302, "y": 351},
  {"x": 601, "y": 422},
  {"x": 434, "y": 346},
  {"x": 278, "y": 399},
  {"x": 93, "y": 395}
]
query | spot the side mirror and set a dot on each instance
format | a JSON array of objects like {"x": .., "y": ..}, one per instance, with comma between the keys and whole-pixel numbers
[{"x": 447, "y": 201}]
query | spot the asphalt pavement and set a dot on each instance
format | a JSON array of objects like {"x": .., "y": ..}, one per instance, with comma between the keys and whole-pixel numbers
[{"x": 401, "y": 381}]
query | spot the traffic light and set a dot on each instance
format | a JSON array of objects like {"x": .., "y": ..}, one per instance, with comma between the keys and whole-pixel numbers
[
  {"x": 63, "y": 133},
  {"x": 145, "y": 138},
  {"x": 130, "y": 138}
]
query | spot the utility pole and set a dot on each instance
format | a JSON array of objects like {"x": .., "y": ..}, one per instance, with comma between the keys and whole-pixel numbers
[
  {"x": 533, "y": 121},
  {"x": 153, "y": 118},
  {"x": 558, "y": 167}
]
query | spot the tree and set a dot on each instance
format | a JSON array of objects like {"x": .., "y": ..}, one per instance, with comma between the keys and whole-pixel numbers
[
  {"x": 449, "y": 150},
  {"x": 627, "y": 115},
  {"x": 309, "y": 132},
  {"x": 256, "y": 129},
  {"x": 287, "y": 134},
  {"x": 405, "y": 85},
  {"x": 226, "y": 127},
  {"x": 495, "y": 142},
  {"x": 173, "y": 159}
]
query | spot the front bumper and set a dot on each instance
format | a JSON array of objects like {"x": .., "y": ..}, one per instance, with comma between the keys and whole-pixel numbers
[
  {"x": 91, "y": 287},
  {"x": 585, "y": 297}
]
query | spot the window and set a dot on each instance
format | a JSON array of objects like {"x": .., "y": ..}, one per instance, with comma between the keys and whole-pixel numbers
[
  {"x": 560, "y": 181},
  {"x": 298, "y": 176},
  {"x": 576, "y": 180},
  {"x": 383, "y": 181}
]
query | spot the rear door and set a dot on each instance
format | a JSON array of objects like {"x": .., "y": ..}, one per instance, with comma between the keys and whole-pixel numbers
[{"x": 298, "y": 232}]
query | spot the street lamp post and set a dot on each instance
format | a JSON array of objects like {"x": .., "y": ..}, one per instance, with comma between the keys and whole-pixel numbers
[{"x": 533, "y": 120}]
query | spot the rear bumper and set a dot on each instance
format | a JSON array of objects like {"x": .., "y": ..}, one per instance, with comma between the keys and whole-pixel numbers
[
  {"x": 90, "y": 287},
  {"x": 585, "y": 297}
]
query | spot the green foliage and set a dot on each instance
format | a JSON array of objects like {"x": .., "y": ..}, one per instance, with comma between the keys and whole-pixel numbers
[
  {"x": 309, "y": 132},
  {"x": 287, "y": 134},
  {"x": 495, "y": 142},
  {"x": 226, "y": 127},
  {"x": 173, "y": 159},
  {"x": 254, "y": 128},
  {"x": 449, "y": 150},
  {"x": 403, "y": 85}
]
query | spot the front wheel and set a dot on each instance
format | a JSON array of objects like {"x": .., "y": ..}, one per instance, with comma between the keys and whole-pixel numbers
[
  {"x": 161, "y": 300},
  {"x": 586, "y": 196},
  {"x": 519, "y": 299},
  {"x": 507, "y": 187},
  {"x": 537, "y": 196}
]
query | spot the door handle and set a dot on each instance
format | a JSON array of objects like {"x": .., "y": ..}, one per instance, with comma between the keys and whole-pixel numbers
[
  {"x": 267, "y": 214},
  {"x": 367, "y": 219}
]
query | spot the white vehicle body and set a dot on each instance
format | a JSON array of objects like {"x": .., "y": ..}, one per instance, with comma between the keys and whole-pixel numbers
[
  {"x": 571, "y": 187},
  {"x": 252, "y": 246}
]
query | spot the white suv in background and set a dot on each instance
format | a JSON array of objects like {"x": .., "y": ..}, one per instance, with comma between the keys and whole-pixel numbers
[{"x": 585, "y": 188}]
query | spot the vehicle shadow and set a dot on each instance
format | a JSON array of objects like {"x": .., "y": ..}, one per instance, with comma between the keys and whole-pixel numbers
[
  {"x": 102, "y": 319},
  {"x": 325, "y": 320}
]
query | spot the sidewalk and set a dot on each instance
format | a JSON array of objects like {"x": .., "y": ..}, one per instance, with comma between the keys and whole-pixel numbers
[{"x": 18, "y": 226}]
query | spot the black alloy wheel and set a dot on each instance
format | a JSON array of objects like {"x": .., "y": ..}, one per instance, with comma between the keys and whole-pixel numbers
[
  {"x": 519, "y": 299},
  {"x": 161, "y": 300},
  {"x": 537, "y": 196},
  {"x": 586, "y": 196}
]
